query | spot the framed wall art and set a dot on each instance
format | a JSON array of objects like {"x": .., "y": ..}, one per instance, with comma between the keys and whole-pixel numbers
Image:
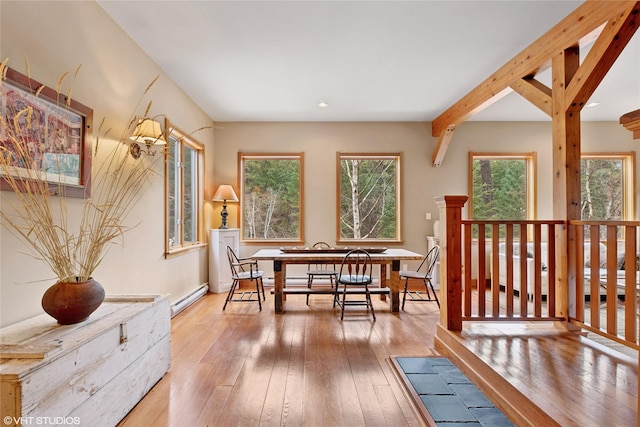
[{"x": 45, "y": 135}]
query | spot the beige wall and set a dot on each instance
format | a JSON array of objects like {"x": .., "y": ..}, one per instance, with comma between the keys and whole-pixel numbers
[{"x": 58, "y": 37}]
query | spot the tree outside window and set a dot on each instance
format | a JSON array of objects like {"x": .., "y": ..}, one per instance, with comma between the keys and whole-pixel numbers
[
  {"x": 502, "y": 187},
  {"x": 369, "y": 197},
  {"x": 184, "y": 192},
  {"x": 271, "y": 197},
  {"x": 606, "y": 184}
]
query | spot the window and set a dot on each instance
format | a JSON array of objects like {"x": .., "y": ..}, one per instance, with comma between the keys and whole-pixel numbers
[
  {"x": 271, "y": 197},
  {"x": 607, "y": 189},
  {"x": 184, "y": 186},
  {"x": 368, "y": 197},
  {"x": 502, "y": 186},
  {"x": 606, "y": 185}
]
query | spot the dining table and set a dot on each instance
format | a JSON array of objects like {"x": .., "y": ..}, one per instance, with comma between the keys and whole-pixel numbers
[{"x": 281, "y": 257}]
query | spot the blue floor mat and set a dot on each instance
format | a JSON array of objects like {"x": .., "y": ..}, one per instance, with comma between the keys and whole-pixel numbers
[{"x": 448, "y": 395}]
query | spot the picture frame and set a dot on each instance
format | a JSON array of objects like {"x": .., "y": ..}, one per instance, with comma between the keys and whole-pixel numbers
[{"x": 61, "y": 128}]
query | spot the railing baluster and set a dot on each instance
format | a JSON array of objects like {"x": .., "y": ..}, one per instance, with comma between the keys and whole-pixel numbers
[
  {"x": 482, "y": 299},
  {"x": 468, "y": 287},
  {"x": 537, "y": 271},
  {"x": 631, "y": 284},
  {"x": 495, "y": 284},
  {"x": 612, "y": 294},
  {"x": 509, "y": 269},
  {"x": 594, "y": 235},
  {"x": 522, "y": 252},
  {"x": 551, "y": 270},
  {"x": 579, "y": 233}
]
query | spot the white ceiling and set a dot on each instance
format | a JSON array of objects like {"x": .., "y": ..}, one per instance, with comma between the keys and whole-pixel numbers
[{"x": 369, "y": 60}]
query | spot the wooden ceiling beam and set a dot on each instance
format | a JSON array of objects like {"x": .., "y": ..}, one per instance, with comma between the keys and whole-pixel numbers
[
  {"x": 631, "y": 121},
  {"x": 441, "y": 147},
  {"x": 584, "y": 22},
  {"x": 606, "y": 49},
  {"x": 535, "y": 92}
]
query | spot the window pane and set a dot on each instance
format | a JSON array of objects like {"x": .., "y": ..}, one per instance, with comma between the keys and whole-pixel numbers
[
  {"x": 271, "y": 197},
  {"x": 499, "y": 189},
  {"x": 502, "y": 188},
  {"x": 184, "y": 196},
  {"x": 190, "y": 195},
  {"x": 369, "y": 189},
  {"x": 601, "y": 189},
  {"x": 172, "y": 191}
]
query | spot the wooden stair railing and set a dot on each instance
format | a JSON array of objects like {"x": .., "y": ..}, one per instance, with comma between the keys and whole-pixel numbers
[{"x": 603, "y": 298}]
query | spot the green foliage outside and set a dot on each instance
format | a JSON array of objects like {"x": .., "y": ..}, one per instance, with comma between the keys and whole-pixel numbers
[
  {"x": 172, "y": 192},
  {"x": 368, "y": 194},
  {"x": 189, "y": 175},
  {"x": 601, "y": 192},
  {"x": 271, "y": 198},
  {"x": 601, "y": 189},
  {"x": 499, "y": 191},
  {"x": 182, "y": 188}
]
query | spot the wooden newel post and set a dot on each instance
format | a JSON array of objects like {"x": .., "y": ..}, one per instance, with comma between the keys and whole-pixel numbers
[{"x": 450, "y": 208}]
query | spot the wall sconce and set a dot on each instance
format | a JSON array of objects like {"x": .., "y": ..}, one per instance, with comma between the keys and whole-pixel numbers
[
  {"x": 146, "y": 134},
  {"x": 225, "y": 194}
]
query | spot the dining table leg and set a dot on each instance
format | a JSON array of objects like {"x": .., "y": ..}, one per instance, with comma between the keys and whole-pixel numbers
[
  {"x": 279, "y": 273},
  {"x": 394, "y": 291},
  {"x": 384, "y": 283}
]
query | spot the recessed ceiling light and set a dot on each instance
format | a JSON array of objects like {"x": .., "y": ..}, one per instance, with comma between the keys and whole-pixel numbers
[
  {"x": 323, "y": 105},
  {"x": 592, "y": 104}
]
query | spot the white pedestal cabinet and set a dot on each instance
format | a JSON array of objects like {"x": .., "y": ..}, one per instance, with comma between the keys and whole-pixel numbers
[
  {"x": 88, "y": 374},
  {"x": 219, "y": 271}
]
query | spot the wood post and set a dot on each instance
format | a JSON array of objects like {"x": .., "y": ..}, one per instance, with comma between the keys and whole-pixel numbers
[{"x": 450, "y": 208}]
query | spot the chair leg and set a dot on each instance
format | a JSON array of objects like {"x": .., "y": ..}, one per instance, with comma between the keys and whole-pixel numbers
[
  {"x": 404, "y": 295},
  {"x": 258, "y": 292},
  {"x": 264, "y": 297},
  {"x": 370, "y": 303},
  {"x": 426, "y": 287},
  {"x": 344, "y": 298},
  {"x": 309, "y": 281},
  {"x": 232, "y": 289},
  {"x": 434, "y": 294}
]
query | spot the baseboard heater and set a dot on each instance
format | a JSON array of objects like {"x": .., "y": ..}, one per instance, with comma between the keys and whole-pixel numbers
[{"x": 188, "y": 299}]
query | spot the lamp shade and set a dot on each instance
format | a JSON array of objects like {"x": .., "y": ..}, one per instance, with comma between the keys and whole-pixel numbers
[
  {"x": 148, "y": 132},
  {"x": 225, "y": 193}
]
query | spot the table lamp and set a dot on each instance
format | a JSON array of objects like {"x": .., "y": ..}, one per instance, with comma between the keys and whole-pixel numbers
[{"x": 225, "y": 194}]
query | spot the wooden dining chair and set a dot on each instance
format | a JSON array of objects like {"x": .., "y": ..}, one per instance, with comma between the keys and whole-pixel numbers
[
  {"x": 354, "y": 275},
  {"x": 424, "y": 273},
  {"x": 319, "y": 269},
  {"x": 244, "y": 269}
]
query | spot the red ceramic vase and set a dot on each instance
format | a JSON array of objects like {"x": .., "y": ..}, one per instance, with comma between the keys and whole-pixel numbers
[{"x": 72, "y": 302}]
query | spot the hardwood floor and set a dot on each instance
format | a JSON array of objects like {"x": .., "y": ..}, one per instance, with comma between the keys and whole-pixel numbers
[{"x": 243, "y": 367}]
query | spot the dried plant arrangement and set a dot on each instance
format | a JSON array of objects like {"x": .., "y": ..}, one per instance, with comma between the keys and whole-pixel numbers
[{"x": 37, "y": 208}]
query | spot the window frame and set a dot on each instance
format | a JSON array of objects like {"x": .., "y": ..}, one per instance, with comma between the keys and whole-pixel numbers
[
  {"x": 397, "y": 156},
  {"x": 628, "y": 160},
  {"x": 531, "y": 167},
  {"x": 299, "y": 156},
  {"x": 187, "y": 140}
]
